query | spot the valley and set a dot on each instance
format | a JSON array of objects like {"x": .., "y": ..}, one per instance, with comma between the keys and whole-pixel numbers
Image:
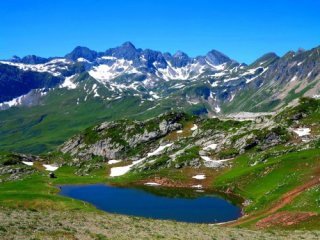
[
  {"x": 267, "y": 165},
  {"x": 178, "y": 120}
]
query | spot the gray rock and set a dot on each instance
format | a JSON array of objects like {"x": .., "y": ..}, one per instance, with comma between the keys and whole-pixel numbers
[{"x": 177, "y": 166}]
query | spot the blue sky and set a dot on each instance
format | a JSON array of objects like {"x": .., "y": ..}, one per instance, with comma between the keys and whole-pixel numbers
[{"x": 244, "y": 30}]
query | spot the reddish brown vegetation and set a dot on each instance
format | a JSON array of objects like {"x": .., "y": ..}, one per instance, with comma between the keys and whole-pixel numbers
[{"x": 283, "y": 219}]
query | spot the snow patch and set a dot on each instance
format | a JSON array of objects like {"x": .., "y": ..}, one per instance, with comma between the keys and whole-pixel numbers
[
  {"x": 231, "y": 79},
  {"x": 107, "y": 72},
  {"x": 82, "y": 60},
  {"x": 108, "y": 58},
  {"x": 190, "y": 71},
  {"x": 251, "y": 79},
  {"x": 114, "y": 161},
  {"x": 68, "y": 83},
  {"x": 159, "y": 150},
  {"x": 14, "y": 102},
  {"x": 232, "y": 97},
  {"x": 53, "y": 67},
  {"x": 195, "y": 127},
  {"x": 214, "y": 84},
  {"x": 214, "y": 163},
  {"x": 152, "y": 184},
  {"x": 27, "y": 163},
  {"x": 212, "y": 146},
  {"x": 154, "y": 95},
  {"x": 298, "y": 64},
  {"x": 50, "y": 167},
  {"x": 119, "y": 171},
  {"x": 302, "y": 131},
  {"x": 193, "y": 102},
  {"x": 21, "y": 99},
  {"x": 178, "y": 86},
  {"x": 316, "y": 96},
  {"x": 294, "y": 78},
  {"x": 199, "y": 177}
]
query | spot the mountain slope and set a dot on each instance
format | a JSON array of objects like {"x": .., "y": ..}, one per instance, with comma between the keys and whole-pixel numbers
[
  {"x": 268, "y": 164},
  {"x": 87, "y": 87}
]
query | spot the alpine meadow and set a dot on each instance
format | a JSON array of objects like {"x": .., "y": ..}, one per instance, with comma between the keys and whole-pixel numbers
[{"x": 140, "y": 140}]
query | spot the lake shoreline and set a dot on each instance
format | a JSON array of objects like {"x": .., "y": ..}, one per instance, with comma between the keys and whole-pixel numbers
[{"x": 162, "y": 197}]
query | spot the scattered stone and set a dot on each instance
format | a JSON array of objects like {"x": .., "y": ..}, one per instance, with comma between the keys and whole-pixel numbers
[{"x": 52, "y": 175}]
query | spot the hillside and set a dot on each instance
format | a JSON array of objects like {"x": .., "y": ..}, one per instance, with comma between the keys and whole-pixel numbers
[
  {"x": 269, "y": 165},
  {"x": 86, "y": 87},
  {"x": 47, "y": 225}
]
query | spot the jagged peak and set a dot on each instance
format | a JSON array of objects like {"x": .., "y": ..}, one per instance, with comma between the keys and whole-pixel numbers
[
  {"x": 216, "y": 52},
  {"x": 289, "y": 54},
  {"x": 128, "y": 44},
  {"x": 180, "y": 54},
  {"x": 266, "y": 58},
  {"x": 216, "y": 57},
  {"x": 15, "y": 58},
  {"x": 81, "y": 48},
  {"x": 83, "y": 52},
  {"x": 301, "y": 50},
  {"x": 29, "y": 59}
]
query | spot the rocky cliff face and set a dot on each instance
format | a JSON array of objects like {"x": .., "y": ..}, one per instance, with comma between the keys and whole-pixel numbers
[{"x": 114, "y": 140}]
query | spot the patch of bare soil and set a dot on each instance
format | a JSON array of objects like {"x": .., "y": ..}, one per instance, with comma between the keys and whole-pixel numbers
[
  {"x": 284, "y": 219},
  {"x": 165, "y": 182}
]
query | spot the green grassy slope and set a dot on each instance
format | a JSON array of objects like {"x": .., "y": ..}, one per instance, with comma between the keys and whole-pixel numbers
[
  {"x": 261, "y": 176},
  {"x": 40, "y": 129}
]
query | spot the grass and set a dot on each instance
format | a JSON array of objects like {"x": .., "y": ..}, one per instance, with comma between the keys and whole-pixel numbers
[
  {"x": 42, "y": 128},
  {"x": 217, "y": 124},
  {"x": 35, "y": 192},
  {"x": 92, "y": 225},
  {"x": 188, "y": 155},
  {"x": 38, "y": 191},
  {"x": 262, "y": 183},
  {"x": 260, "y": 176},
  {"x": 266, "y": 181},
  {"x": 186, "y": 132},
  {"x": 308, "y": 201}
]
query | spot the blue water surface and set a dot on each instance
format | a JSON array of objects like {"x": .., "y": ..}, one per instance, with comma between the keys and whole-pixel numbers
[{"x": 200, "y": 208}]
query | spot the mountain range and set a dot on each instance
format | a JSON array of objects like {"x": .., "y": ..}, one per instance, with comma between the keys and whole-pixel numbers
[{"x": 58, "y": 96}]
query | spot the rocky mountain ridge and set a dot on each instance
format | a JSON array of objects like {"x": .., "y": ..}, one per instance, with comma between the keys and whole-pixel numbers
[{"x": 213, "y": 79}]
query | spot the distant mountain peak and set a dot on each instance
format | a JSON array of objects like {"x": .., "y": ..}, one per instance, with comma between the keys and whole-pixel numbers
[
  {"x": 301, "y": 50},
  {"x": 127, "y": 51},
  {"x": 29, "y": 59},
  {"x": 82, "y": 52},
  {"x": 33, "y": 59},
  {"x": 216, "y": 58},
  {"x": 180, "y": 54},
  {"x": 128, "y": 45},
  {"x": 266, "y": 59},
  {"x": 15, "y": 58},
  {"x": 289, "y": 55}
]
